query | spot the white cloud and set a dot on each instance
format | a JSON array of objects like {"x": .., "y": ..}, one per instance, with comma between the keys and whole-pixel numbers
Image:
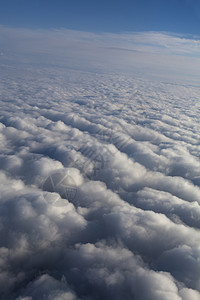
[
  {"x": 99, "y": 171},
  {"x": 149, "y": 53}
]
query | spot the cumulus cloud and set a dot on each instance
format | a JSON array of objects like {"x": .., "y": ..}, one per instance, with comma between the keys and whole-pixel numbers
[{"x": 99, "y": 172}]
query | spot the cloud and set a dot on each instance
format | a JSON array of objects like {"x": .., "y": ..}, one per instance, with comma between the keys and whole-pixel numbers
[
  {"x": 43, "y": 287},
  {"x": 151, "y": 53},
  {"x": 99, "y": 171}
]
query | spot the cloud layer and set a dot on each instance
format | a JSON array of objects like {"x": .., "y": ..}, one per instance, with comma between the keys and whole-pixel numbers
[
  {"x": 159, "y": 54},
  {"x": 99, "y": 185}
]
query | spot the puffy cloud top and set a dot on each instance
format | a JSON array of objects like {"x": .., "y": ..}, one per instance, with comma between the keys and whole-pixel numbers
[{"x": 99, "y": 186}]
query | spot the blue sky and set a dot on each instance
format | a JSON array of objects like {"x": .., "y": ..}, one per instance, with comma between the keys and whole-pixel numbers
[
  {"x": 160, "y": 37},
  {"x": 179, "y": 16}
]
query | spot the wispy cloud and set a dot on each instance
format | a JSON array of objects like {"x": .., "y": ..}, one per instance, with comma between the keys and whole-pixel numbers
[{"x": 145, "y": 52}]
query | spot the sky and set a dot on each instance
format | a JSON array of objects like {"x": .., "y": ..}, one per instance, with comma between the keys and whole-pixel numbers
[
  {"x": 157, "y": 37},
  {"x": 99, "y": 150},
  {"x": 178, "y": 16}
]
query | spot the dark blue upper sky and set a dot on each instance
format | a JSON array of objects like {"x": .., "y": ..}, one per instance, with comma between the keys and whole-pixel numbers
[{"x": 180, "y": 16}]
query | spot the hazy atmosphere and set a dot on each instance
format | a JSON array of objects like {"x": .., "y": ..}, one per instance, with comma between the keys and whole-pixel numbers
[{"x": 99, "y": 150}]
